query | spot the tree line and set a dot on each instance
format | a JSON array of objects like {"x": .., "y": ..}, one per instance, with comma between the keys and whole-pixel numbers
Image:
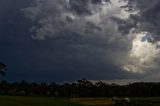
[{"x": 80, "y": 88}]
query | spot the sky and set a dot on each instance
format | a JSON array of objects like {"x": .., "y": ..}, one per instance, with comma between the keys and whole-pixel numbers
[{"x": 67, "y": 40}]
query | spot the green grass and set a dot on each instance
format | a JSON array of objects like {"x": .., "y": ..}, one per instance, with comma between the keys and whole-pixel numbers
[
  {"x": 138, "y": 101},
  {"x": 33, "y": 101},
  {"x": 50, "y": 101}
]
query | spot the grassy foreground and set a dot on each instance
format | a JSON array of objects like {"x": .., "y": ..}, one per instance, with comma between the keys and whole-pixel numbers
[
  {"x": 93, "y": 101},
  {"x": 49, "y": 101},
  {"x": 138, "y": 101},
  {"x": 33, "y": 101}
]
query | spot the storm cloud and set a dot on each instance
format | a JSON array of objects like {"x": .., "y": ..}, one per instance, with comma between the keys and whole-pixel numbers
[
  {"x": 86, "y": 27},
  {"x": 72, "y": 39}
]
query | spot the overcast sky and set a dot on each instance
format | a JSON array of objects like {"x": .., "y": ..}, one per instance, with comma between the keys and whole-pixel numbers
[{"x": 67, "y": 40}]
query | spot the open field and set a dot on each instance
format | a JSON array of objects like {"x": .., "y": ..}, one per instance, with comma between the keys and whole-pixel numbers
[
  {"x": 49, "y": 101},
  {"x": 138, "y": 101},
  {"x": 94, "y": 101},
  {"x": 33, "y": 101}
]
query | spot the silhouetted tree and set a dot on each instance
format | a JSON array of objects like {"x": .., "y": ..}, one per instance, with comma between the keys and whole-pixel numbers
[
  {"x": 82, "y": 88},
  {"x": 2, "y": 68}
]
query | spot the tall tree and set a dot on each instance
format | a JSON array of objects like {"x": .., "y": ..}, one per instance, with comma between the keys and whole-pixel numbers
[{"x": 2, "y": 68}]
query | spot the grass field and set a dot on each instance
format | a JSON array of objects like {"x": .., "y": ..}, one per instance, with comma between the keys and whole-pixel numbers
[
  {"x": 34, "y": 101},
  {"x": 138, "y": 101},
  {"x": 49, "y": 101},
  {"x": 94, "y": 101}
]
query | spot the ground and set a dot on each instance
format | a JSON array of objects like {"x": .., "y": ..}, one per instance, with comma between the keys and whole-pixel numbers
[
  {"x": 93, "y": 101},
  {"x": 51, "y": 101},
  {"x": 34, "y": 101},
  {"x": 136, "y": 101}
]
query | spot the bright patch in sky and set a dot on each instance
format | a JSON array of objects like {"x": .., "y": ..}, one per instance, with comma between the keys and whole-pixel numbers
[{"x": 143, "y": 53}]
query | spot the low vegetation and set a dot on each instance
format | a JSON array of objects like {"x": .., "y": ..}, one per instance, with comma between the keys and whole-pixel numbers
[
  {"x": 82, "y": 89},
  {"x": 51, "y": 101},
  {"x": 34, "y": 101}
]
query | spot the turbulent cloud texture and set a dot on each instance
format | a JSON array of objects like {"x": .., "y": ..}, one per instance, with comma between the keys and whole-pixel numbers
[
  {"x": 71, "y": 39},
  {"x": 145, "y": 44},
  {"x": 84, "y": 17},
  {"x": 82, "y": 23},
  {"x": 118, "y": 22}
]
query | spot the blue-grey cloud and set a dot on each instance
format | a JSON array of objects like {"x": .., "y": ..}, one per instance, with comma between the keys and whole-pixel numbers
[
  {"x": 148, "y": 15},
  {"x": 45, "y": 40},
  {"x": 85, "y": 33}
]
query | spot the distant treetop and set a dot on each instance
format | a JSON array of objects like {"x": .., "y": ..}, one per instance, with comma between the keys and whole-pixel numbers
[{"x": 2, "y": 68}]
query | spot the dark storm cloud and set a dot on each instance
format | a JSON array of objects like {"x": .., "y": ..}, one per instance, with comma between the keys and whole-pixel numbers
[
  {"x": 82, "y": 6},
  {"x": 68, "y": 39},
  {"x": 13, "y": 39},
  {"x": 100, "y": 1},
  {"x": 124, "y": 26},
  {"x": 74, "y": 39},
  {"x": 148, "y": 17}
]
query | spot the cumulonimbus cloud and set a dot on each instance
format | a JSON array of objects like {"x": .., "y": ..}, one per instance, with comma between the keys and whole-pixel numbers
[
  {"x": 82, "y": 16},
  {"x": 118, "y": 23}
]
